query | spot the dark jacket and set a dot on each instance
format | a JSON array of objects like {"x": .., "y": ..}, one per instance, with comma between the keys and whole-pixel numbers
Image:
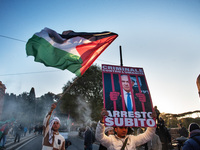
[
  {"x": 19, "y": 130},
  {"x": 183, "y": 132},
  {"x": 101, "y": 147},
  {"x": 89, "y": 137},
  {"x": 191, "y": 144}
]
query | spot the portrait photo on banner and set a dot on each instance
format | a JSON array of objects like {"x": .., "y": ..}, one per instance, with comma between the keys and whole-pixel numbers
[{"x": 126, "y": 97}]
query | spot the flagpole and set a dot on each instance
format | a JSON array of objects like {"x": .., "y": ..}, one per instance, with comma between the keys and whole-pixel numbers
[
  {"x": 121, "y": 61},
  {"x": 67, "y": 90}
]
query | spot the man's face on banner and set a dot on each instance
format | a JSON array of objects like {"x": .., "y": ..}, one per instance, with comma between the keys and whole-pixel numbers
[{"x": 125, "y": 83}]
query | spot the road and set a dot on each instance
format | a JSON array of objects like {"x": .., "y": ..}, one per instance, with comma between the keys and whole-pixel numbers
[
  {"x": 36, "y": 143},
  {"x": 32, "y": 144},
  {"x": 78, "y": 143}
]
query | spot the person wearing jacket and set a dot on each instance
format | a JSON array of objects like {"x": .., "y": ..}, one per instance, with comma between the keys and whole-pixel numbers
[
  {"x": 155, "y": 143},
  {"x": 108, "y": 131},
  {"x": 52, "y": 140},
  {"x": 193, "y": 143},
  {"x": 18, "y": 132},
  {"x": 4, "y": 135},
  {"x": 115, "y": 142},
  {"x": 88, "y": 139}
]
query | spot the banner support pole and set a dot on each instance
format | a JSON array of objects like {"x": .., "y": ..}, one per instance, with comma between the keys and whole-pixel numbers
[{"x": 121, "y": 61}]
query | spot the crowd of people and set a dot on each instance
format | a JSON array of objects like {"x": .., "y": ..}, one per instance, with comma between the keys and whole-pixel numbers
[
  {"x": 124, "y": 138},
  {"x": 16, "y": 131},
  {"x": 159, "y": 138},
  {"x": 109, "y": 138}
]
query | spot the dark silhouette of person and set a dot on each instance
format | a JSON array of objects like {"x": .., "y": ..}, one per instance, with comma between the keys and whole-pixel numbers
[{"x": 158, "y": 113}]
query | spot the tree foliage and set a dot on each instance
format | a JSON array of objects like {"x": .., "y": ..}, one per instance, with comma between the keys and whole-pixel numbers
[
  {"x": 82, "y": 103},
  {"x": 171, "y": 120},
  {"x": 85, "y": 96}
]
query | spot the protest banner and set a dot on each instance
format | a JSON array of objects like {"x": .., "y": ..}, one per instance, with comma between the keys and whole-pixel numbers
[{"x": 126, "y": 97}]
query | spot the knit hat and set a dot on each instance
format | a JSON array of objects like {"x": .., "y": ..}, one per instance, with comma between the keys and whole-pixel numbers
[
  {"x": 50, "y": 128},
  {"x": 108, "y": 129},
  {"x": 193, "y": 126}
]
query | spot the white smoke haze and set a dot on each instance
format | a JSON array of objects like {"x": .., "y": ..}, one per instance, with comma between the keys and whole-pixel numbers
[
  {"x": 85, "y": 111},
  {"x": 67, "y": 122},
  {"x": 15, "y": 108},
  {"x": 9, "y": 109}
]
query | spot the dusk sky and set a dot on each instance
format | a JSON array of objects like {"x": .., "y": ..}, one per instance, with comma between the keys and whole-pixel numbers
[{"x": 162, "y": 37}]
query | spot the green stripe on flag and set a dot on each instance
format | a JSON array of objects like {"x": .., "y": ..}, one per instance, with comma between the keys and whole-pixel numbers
[{"x": 45, "y": 53}]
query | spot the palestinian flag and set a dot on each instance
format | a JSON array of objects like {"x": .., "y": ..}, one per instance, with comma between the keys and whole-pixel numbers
[{"x": 75, "y": 51}]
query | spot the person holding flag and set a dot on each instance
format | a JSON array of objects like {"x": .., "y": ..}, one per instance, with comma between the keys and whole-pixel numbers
[{"x": 51, "y": 137}]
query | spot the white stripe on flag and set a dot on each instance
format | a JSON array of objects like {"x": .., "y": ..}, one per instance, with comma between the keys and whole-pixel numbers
[{"x": 68, "y": 45}]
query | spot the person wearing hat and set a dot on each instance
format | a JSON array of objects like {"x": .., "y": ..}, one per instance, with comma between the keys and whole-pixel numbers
[
  {"x": 193, "y": 143},
  {"x": 108, "y": 131},
  {"x": 51, "y": 137}
]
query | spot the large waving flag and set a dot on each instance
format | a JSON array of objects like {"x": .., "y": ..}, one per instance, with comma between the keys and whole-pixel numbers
[{"x": 75, "y": 51}]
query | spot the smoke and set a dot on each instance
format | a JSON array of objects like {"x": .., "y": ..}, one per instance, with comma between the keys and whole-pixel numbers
[
  {"x": 14, "y": 110},
  {"x": 8, "y": 111},
  {"x": 85, "y": 111},
  {"x": 24, "y": 111},
  {"x": 32, "y": 113}
]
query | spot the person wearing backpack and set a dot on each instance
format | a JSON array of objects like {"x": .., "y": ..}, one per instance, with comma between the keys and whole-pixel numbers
[{"x": 193, "y": 143}]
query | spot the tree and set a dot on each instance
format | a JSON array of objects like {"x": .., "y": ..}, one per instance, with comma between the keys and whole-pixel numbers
[
  {"x": 26, "y": 108},
  {"x": 32, "y": 95},
  {"x": 86, "y": 91},
  {"x": 171, "y": 120}
]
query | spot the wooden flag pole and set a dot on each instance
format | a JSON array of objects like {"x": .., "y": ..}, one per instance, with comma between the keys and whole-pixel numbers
[
  {"x": 121, "y": 61},
  {"x": 67, "y": 90}
]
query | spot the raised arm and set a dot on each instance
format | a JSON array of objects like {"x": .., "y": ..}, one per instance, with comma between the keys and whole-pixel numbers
[
  {"x": 47, "y": 118},
  {"x": 148, "y": 134},
  {"x": 100, "y": 135}
]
